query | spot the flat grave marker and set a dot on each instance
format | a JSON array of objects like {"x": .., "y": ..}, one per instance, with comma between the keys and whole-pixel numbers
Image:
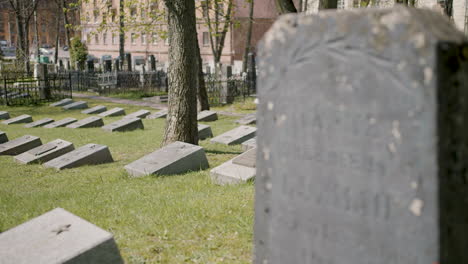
[
  {"x": 235, "y": 136},
  {"x": 92, "y": 121},
  {"x": 204, "y": 132},
  {"x": 117, "y": 111},
  {"x": 95, "y": 110},
  {"x": 45, "y": 152},
  {"x": 18, "y": 120},
  {"x": 207, "y": 116},
  {"x": 138, "y": 114},
  {"x": 247, "y": 158},
  {"x": 90, "y": 154},
  {"x": 61, "y": 123},
  {"x": 124, "y": 124},
  {"x": 247, "y": 120},
  {"x": 63, "y": 102},
  {"x": 39, "y": 123},
  {"x": 3, "y": 137},
  {"x": 249, "y": 144},
  {"x": 237, "y": 170},
  {"x": 159, "y": 114},
  {"x": 4, "y": 115},
  {"x": 76, "y": 105},
  {"x": 19, "y": 145}
]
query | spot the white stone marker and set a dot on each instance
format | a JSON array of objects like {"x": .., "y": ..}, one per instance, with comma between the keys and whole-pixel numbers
[
  {"x": 204, "y": 131},
  {"x": 63, "y": 102},
  {"x": 45, "y": 152},
  {"x": 117, "y": 111},
  {"x": 19, "y": 145},
  {"x": 237, "y": 170},
  {"x": 249, "y": 144},
  {"x": 58, "y": 237},
  {"x": 4, "y": 115},
  {"x": 207, "y": 116},
  {"x": 178, "y": 157},
  {"x": 61, "y": 123},
  {"x": 159, "y": 114},
  {"x": 76, "y": 105},
  {"x": 3, "y": 137},
  {"x": 89, "y": 154},
  {"x": 39, "y": 123},
  {"x": 124, "y": 124},
  {"x": 138, "y": 114},
  {"x": 236, "y": 136},
  {"x": 18, "y": 120},
  {"x": 92, "y": 121},
  {"x": 247, "y": 120},
  {"x": 95, "y": 110}
]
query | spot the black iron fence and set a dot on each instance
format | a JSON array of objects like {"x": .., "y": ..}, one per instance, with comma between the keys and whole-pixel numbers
[{"x": 227, "y": 90}]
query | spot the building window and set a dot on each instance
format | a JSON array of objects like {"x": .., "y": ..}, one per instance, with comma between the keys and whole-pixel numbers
[
  {"x": 104, "y": 38},
  {"x": 114, "y": 39},
  {"x": 154, "y": 38},
  {"x": 204, "y": 7},
  {"x": 96, "y": 16},
  {"x": 143, "y": 38},
  {"x": 113, "y": 15},
  {"x": 133, "y": 12},
  {"x": 143, "y": 13},
  {"x": 166, "y": 41},
  {"x": 206, "y": 39},
  {"x": 96, "y": 39},
  {"x": 133, "y": 38},
  {"x": 88, "y": 38}
]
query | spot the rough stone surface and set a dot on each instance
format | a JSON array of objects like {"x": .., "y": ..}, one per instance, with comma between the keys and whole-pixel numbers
[
  {"x": 138, "y": 114},
  {"x": 249, "y": 144},
  {"x": 18, "y": 120},
  {"x": 236, "y": 136},
  {"x": 125, "y": 124},
  {"x": 247, "y": 158},
  {"x": 234, "y": 171},
  {"x": 76, "y": 105},
  {"x": 89, "y": 154},
  {"x": 92, "y": 121},
  {"x": 204, "y": 131},
  {"x": 61, "y": 123},
  {"x": 207, "y": 116},
  {"x": 175, "y": 158},
  {"x": 58, "y": 237},
  {"x": 19, "y": 145},
  {"x": 45, "y": 152},
  {"x": 3, "y": 137},
  {"x": 117, "y": 111},
  {"x": 4, "y": 115},
  {"x": 95, "y": 110},
  {"x": 63, "y": 102},
  {"x": 159, "y": 114},
  {"x": 362, "y": 158},
  {"x": 247, "y": 120},
  {"x": 39, "y": 123}
]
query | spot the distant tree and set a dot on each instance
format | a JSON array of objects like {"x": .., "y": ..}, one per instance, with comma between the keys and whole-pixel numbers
[
  {"x": 78, "y": 52},
  {"x": 249, "y": 35},
  {"x": 285, "y": 6}
]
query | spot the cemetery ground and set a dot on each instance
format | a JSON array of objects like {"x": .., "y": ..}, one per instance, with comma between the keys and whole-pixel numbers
[{"x": 170, "y": 219}]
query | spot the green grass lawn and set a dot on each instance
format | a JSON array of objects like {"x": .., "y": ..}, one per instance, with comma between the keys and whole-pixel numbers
[{"x": 173, "y": 219}]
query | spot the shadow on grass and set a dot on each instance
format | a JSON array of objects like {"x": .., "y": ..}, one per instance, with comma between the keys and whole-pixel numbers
[{"x": 222, "y": 152}]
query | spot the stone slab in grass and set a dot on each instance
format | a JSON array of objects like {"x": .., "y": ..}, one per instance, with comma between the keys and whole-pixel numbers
[
  {"x": 247, "y": 158},
  {"x": 63, "y": 102},
  {"x": 3, "y": 137},
  {"x": 236, "y": 136},
  {"x": 39, "y": 123},
  {"x": 207, "y": 116},
  {"x": 124, "y": 124},
  {"x": 92, "y": 121},
  {"x": 175, "y": 158},
  {"x": 76, "y": 105},
  {"x": 159, "y": 114},
  {"x": 249, "y": 144},
  {"x": 95, "y": 110},
  {"x": 19, "y": 145},
  {"x": 247, "y": 120},
  {"x": 232, "y": 172},
  {"x": 56, "y": 237},
  {"x": 4, "y": 115},
  {"x": 18, "y": 120},
  {"x": 138, "y": 114},
  {"x": 61, "y": 123},
  {"x": 117, "y": 111},
  {"x": 45, "y": 152},
  {"x": 204, "y": 132},
  {"x": 90, "y": 154}
]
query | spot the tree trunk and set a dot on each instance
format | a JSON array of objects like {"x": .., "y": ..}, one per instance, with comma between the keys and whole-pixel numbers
[
  {"x": 181, "y": 122},
  {"x": 285, "y": 6},
  {"x": 36, "y": 29},
  {"x": 202, "y": 95},
  {"x": 249, "y": 36},
  {"x": 57, "y": 36},
  {"x": 121, "y": 33},
  {"x": 65, "y": 21}
]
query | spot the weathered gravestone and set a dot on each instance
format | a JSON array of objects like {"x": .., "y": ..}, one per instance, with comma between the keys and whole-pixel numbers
[
  {"x": 18, "y": 120},
  {"x": 89, "y": 154},
  {"x": 117, "y": 111},
  {"x": 178, "y": 157},
  {"x": 362, "y": 159},
  {"x": 63, "y": 102},
  {"x": 204, "y": 132},
  {"x": 237, "y": 170},
  {"x": 125, "y": 124},
  {"x": 3, "y": 137},
  {"x": 235, "y": 136},
  {"x": 58, "y": 237},
  {"x": 39, "y": 123},
  {"x": 92, "y": 121},
  {"x": 61, "y": 123},
  {"x": 19, "y": 145},
  {"x": 249, "y": 144},
  {"x": 4, "y": 115},
  {"x": 76, "y": 105},
  {"x": 138, "y": 114},
  {"x": 159, "y": 114},
  {"x": 207, "y": 116},
  {"x": 95, "y": 110},
  {"x": 45, "y": 152},
  {"x": 247, "y": 120}
]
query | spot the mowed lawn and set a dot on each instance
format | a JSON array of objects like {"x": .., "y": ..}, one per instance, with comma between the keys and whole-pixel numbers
[{"x": 167, "y": 219}]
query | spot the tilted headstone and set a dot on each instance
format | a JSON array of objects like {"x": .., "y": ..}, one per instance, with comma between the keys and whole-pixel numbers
[
  {"x": 3, "y": 137},
  {"x": 4, "y": 115},
  {"x": 58, "y": 237},
  {"x": 204, "y": 132},
  {"x": 247, "y": 120},
  {"x": 76, "y": 105},
  {"x": 39, "y": 123},
  {"x": 63, "y": 102},
  {"x": 45, "y": 152},
  {"x": 249, "y": 144},
  {"x": 18, "y": 120},
  {"x": 61, "y": 123},
  {"x": 19, "y": 145},
  {"x": 362, "y": 158},
  {"x": 92, "y": 121},
  {"x": 238, "y": 170},
  {"x": 177, "y": 157},
  {"x": 117, "y": 111},
  {"x": 236, "y": 136},
  {"x": 125, "y": 124},
  {"x": 90, "y": 154},
  {"x": 95, "y": 110},
  {"x": 138, "y": 114},
  {"x": 159, "y": 114},
  {"x": 207, "y": 116}
]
